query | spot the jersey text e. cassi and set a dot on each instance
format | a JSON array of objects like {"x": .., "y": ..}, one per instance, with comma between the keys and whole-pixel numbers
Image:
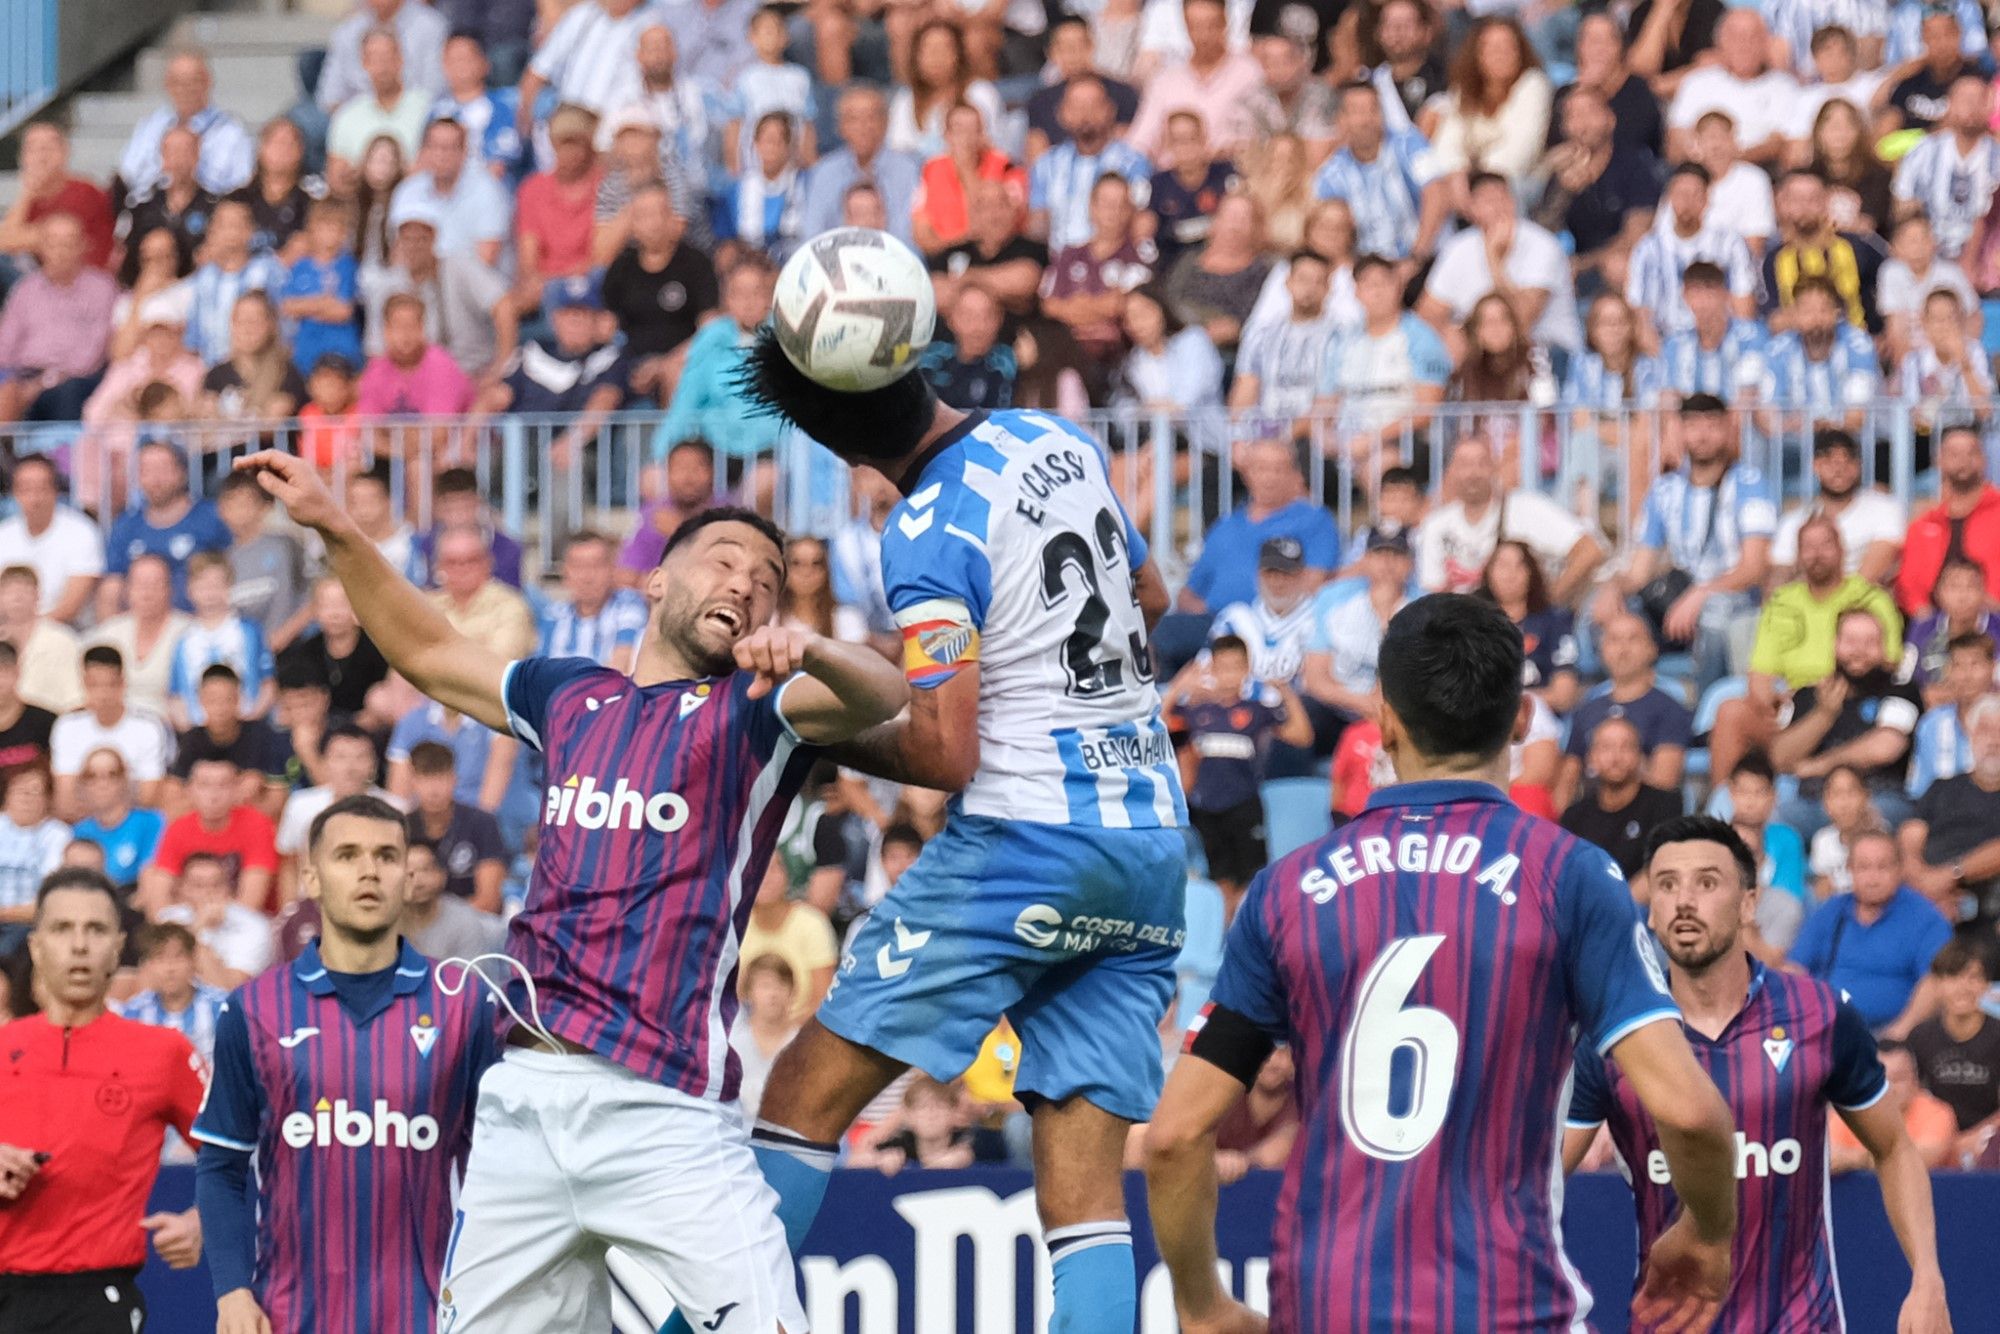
[
  {"x": 1793, "y": 1051},
  {"x": 1433, "y": 964},
  {"x": 359, "y": 1132},
  {"x": 664, "y": 805},
  {"x": 1010, "y": 549}
]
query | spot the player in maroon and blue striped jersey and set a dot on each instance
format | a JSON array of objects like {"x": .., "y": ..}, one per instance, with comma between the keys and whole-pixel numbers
[
  {"x": 610, "y": 1120},
  {"x": 1783, "y": 1049},
  {"x": 1433, "y": 965}
]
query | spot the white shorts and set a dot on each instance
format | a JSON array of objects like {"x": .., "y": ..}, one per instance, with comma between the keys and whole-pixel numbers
[{"x": 581, "y": 1169}]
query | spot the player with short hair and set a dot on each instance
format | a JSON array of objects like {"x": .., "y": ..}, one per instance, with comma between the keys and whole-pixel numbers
[
  {"x": 349, "y": 1078},
  {"x": 1054, "y": 893},
  {"x": 1783, "y": 1048},
  {"x": 1432, "y": 964},
  {"x": 610, "y": 1121}
]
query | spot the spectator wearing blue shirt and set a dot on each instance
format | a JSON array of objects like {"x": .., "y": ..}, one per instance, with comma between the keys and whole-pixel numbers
[
  {"x": 863, "y": 120},
  {"x": 1942, "y": 745},
  {"x": 482, "y": 759},
  {"x": 167, "y": 522},
  {"x": 972, "y": 369},
  {"x": 473, "y": 211},
  {"x": 1398, "y": 199},
  {"x": 1625, "y": 645},
  {"x": 572, "y": 374},
  {"x": 1718, "y": 352},
  {"x": 1876, "y": 943},
  {"x": 1062, "y": 180},
  {"x": 317, "y": 299},
  {"x": 708, "y": 403},
  {"x": 490, "y": 115},
  {"x": 1704, "y": 547},
  {"x": 456, "y": 503},
  {"x": 218, "y": 637},
  {"x": 1825, "y": 366},
  {"x": 1780, "y": 853},
  {"x": 595, "y": 618},
  {"x": 1226, "y": 571},
  {"x": 127, "y": 833}
]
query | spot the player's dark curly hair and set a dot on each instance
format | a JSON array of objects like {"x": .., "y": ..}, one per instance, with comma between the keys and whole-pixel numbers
[
  {"x": 1450, "y": 667},
  {"x": 871, "y": 426},
  {"x": 723, "y": 514}
]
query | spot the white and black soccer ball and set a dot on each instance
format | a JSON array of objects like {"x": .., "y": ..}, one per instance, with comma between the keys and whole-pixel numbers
[{"x": 854, "y": 308}]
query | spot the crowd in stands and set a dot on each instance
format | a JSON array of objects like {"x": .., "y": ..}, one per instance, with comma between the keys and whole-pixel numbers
[{"x": 1658, "y": 243}]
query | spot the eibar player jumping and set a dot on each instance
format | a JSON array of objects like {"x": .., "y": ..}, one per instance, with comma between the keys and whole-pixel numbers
[
  {"x": 1783, "y": 1049},
  {"x": 1054, "y": 894},
  {"x": 610, "y": 1121},
  {"x": 1432, "y": 963},
  {"x": 348, "y": 1077}
]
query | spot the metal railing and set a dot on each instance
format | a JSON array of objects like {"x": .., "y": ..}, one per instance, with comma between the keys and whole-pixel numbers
[
  {"x": 549, "y": 476},
  {"x": 29, "y": 73}
]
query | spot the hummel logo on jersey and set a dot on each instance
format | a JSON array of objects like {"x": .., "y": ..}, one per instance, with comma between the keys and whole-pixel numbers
[
  {"x": 595, "y": 704},
  {"x": 581, "y": 802},
  {"x": 331, "y": 1123},
  {"x": 892, "y": 960},
  {"x": 721, "y": 1314},
  {"x": 915, "y": 526},
  {"x": 296, "y": 1036}
]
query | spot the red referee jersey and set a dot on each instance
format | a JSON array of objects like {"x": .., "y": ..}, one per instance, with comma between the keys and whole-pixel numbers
[{"x": 98, "y": 1100}]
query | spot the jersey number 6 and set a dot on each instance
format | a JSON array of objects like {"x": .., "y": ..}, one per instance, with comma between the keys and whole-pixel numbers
[
  {"x": 1382, "y": 1027},
  {"x": 1090, "y": 675}
]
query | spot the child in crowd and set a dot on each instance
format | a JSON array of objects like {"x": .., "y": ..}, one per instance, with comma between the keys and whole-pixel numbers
[
  {"x": 1229, "y": 721},
  {"x": 1958, "y": 1050},
  {"x": 1851, "y": 814},
  {"x": 318, "y": 297},
  {"x": 767, "y": 84},
  {"x": 219, "y": 635},
  {"x": 1780, "y": 853},
  {"x": 934, "y": 1132},
  {"x": 329, "y": 424}
]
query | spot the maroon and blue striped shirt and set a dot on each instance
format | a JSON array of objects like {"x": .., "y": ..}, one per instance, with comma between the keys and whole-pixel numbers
[
  {"x": 360, "y": 1128},
  {"x": 1794, "y": 1050},
  {"x": 664, "y": 806},
  {"x": 1433, "y": 965}
]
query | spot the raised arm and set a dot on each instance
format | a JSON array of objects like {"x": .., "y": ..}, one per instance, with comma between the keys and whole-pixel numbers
[
  {"x": 833, "y": 691},
  {"x": 458, "y": 672}
]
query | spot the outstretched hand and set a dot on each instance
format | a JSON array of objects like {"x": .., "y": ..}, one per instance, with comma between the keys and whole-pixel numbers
[
  {"x": 1684, "y": 1282},
  {"x": 296, "y": 485}
]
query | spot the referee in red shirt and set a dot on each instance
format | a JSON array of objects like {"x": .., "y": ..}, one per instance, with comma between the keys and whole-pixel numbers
[{"x": 85, "y": 1101}]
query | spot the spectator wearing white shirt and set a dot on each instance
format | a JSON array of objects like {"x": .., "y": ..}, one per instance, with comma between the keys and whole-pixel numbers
[
  {"x": 1277, "y": 623},
  {"x": 144, "y": 636},
  {"x": 389, "y": 107},
  {"x": 232, "y": 270},
  {"x": 228, "y": 153},
  {"x": 1347, "y": 626},
  {"x": 347, "y": 761},
  {"x": 1458, "y": 537},
  {"x": 1871, "y": 523},
  {"x": 1952, "y": 173},
  {"x": 588, "y": 57},
  {"x": 1680, "y": 238},
  {"x": 1742, "y": 83},
  {"x": 48, "y": 650},
  {"x": 1837, "y": 75},
  {"x": 236, "y": 942},
  {"x": 1502, "y": 253},
  {"x": 65, "y": 549},
  {"x": 1063, "y": 180},
  {"x": 1279, "y": 361},
  {"x": 1740, "y": 199},
  {"x": 420, "y": 32},
  {"x": 1912, "y": 273},
  {"x": 473, "y": 212},
  {"x": 31, "y": 844},
  {"x": 106, "y": 720}
]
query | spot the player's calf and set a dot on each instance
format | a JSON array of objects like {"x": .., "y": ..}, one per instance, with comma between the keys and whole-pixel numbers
[{"x": 1080, "y": 1193}]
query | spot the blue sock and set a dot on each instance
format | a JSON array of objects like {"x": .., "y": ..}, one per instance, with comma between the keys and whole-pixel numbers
[
  {"x": 798, "y": 1169},
  {"x": 1097, "y": 1290}
]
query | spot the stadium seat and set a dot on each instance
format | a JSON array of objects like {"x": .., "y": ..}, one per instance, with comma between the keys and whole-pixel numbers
[
  {"x": 1712, "y": 700},
  {"x": 1296, "y": 811}
]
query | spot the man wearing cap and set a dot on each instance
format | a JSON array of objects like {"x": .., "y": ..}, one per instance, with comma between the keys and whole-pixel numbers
[
  {"x": 473, "y": 211},
  {"x": 1278, "y": 621},
  {"x": 465, "y": 307},
  {"x": 576, "y": 371},
  {"x": 1345, "y": 637}
]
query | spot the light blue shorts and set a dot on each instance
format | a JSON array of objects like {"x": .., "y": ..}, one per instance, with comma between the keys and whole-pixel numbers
[{"x": 1070, "y": 931}]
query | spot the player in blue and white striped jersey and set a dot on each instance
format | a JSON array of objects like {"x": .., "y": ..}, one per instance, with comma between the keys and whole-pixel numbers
[{"x": 1055, "y": 893}]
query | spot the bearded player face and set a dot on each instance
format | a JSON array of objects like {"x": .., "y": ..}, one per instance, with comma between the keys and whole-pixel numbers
[
  {"x": 714, "y": 589},
  {"x": 1700, "y": 904}
]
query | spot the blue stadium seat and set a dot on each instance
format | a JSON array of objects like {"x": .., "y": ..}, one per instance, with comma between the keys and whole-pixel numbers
[
  {"x": 1712, "y": 700},
  {"x": 1296, "y": 811}
]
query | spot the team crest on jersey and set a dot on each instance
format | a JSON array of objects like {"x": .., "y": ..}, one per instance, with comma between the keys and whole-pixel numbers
[
  {"x": 693, "y": 700},
  {"x": 424, "y": 1034},
  {"x": 1779, "y": 1048},
  {"x": 938, "y": 639}
]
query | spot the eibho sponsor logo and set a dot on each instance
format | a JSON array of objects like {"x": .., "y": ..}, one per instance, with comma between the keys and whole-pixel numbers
[
  {"x": 1752, "y": 1160},
  {"x": 581, "y": 802},
  {"x": 1037, "y": 925},
  {"x": 336, "y": 1122}
]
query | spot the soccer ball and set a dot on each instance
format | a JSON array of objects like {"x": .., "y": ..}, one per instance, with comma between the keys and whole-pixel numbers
[{"x": 853, "y": 309}]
